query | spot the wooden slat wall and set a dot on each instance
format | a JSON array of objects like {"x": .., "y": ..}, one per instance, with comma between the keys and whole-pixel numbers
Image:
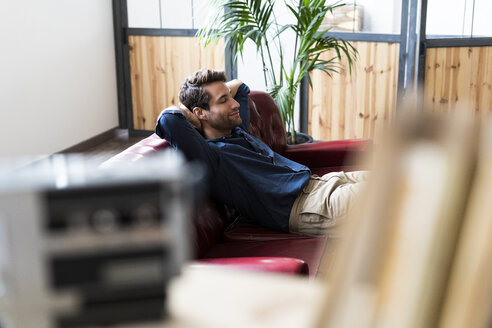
[
  {"x": 158, "y": 66},
  {"x": 459, "y": 77},
  {"x": 357, "y": 105}
]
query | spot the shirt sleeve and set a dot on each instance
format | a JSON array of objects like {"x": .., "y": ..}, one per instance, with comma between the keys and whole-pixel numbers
[
  {"x": 243, "y": 99},
  {"x": 175, "y": 128}
]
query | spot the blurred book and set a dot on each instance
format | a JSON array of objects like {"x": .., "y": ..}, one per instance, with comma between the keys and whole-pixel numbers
[
  {"x": 394, "y": 266},
  {"x": 468, "y": 301},
  {"x": 220, "y": 297}
]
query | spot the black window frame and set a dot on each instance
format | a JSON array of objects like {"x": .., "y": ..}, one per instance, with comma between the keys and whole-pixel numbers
[{"x": 411, "y": 67}]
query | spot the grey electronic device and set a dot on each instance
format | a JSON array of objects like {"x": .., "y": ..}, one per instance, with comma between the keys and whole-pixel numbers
[{"x": 85, "y": 246}]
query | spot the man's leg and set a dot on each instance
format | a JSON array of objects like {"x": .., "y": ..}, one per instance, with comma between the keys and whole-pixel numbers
[{"x": 325, "y": 202}]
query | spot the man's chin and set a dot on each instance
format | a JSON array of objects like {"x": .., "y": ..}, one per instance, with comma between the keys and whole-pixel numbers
[{"x": 238, "y": 121}]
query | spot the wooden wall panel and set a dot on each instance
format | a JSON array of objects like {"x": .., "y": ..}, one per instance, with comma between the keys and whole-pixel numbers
[
  {"x": 357, "y": 105},
  {"x": 158, "y": 66},
  {"x": 459, "y": 78}
]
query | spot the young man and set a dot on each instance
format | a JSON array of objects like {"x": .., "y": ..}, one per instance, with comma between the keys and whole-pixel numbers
[{"x": 211, "y": 126}]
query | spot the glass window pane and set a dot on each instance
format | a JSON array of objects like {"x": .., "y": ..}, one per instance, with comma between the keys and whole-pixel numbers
[
  {"x": 176, "y": 14},
  {"x": 201, "y": 11},
  {"x": 449, "y": 18},
  {"x": 481, "y": 19},
  {"x": 143, "y": 13},
  {"x": 370, "y": 16},
  {"x": 185, "y": 14}
]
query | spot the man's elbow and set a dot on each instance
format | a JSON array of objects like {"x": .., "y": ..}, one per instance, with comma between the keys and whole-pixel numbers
[{"x": 159, "y": 128}]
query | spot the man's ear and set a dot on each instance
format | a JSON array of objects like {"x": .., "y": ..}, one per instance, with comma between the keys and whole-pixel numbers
[{"x": 200, "y": 113}]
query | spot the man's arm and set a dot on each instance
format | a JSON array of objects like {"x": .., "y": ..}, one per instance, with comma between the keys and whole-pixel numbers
[
  {"x": 174, "y": 126},
  {"x": 189, "y": 115},
  {"x": 233, "y": 85},
  {"x": 239, "y": 92}
]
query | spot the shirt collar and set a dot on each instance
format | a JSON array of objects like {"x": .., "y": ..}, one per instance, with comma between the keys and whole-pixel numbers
[{"x": 236, "y": 132}]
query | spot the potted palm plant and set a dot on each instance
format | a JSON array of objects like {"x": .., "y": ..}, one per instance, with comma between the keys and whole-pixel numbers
[{"x": 240, "y": 20}]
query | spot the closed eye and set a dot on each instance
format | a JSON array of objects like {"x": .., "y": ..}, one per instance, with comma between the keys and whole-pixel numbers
[{"x": 222, "y": 99}]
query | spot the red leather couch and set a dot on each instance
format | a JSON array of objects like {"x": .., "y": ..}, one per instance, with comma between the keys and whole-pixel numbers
[{"x": 220, "y": 239}]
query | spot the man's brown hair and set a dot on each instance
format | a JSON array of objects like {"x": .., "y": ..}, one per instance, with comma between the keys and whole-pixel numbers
[{"x": 192, "y": 94}]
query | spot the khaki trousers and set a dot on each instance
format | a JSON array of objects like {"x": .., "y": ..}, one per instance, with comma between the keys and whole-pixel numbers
[{"x": 324, "y": 203}]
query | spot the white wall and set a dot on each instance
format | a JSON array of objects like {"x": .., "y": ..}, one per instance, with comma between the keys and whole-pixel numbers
[{"x": 57, "y": 74}]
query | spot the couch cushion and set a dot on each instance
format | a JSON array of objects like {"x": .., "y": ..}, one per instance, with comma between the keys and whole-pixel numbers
[
  {"x": 208, "y": 222},
  {"x": 243, "y": 229}
]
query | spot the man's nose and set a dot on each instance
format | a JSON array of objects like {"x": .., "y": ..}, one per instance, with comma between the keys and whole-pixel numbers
[{"x": 235, "y": 103}]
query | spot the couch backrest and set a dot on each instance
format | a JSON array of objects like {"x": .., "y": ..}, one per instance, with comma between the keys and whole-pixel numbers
[{"x": 266, "y": 122}]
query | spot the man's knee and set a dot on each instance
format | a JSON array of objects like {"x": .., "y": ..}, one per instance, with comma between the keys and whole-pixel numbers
[
  {"x": 357, "y": 176},
  {"x": 342, "y": 199}
]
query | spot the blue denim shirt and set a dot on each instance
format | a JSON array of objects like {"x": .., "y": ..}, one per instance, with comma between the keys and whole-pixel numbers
[{"x": 242, "y": 171}]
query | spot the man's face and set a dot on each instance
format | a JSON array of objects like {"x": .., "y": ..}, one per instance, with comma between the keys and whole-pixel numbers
[{"x": 224, "y": 110}]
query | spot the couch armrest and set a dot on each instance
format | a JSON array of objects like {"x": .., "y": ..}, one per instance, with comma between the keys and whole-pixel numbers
[
  {"x": 263, "y": 264},
  {"x": 327, "y": 156},
  {"x": 144, "y": 147}
]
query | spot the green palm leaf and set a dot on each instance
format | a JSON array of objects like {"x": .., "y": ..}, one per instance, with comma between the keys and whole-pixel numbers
[{"x": 238, "y": 21}]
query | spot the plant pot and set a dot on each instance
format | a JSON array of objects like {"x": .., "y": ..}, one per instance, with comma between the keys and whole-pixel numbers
[{"x": 300, "y": 138}]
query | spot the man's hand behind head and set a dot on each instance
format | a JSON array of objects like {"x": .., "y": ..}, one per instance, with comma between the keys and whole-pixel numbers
[
  {"x": 190, "y": 117},
  {"x": 233, "y": 85}
]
